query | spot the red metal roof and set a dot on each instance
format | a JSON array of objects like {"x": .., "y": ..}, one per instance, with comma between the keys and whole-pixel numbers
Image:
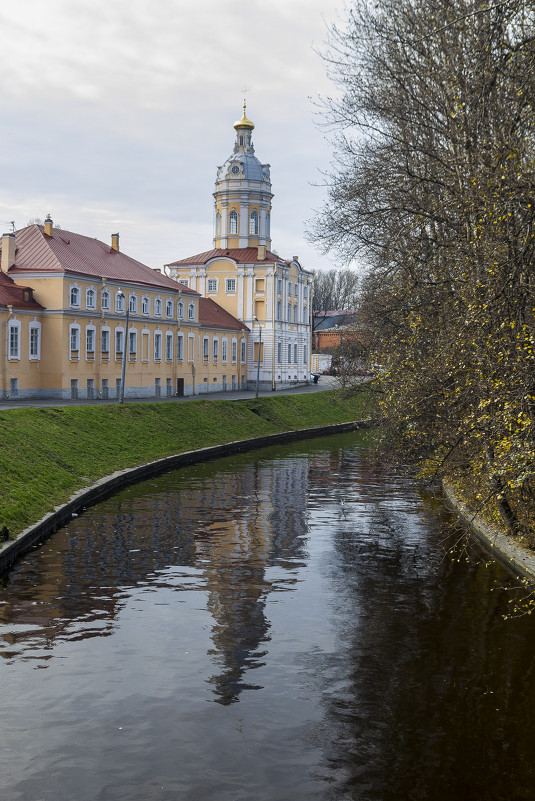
[
  {"x": 211, "y": 315},
  {"x": 239, "y": 255},
  {"x": 11, "y": 294},
  {"x": 67, "y": 252}
]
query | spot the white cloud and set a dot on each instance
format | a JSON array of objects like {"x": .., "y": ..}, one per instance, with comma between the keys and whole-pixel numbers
[{"x": 119, "y": 112}]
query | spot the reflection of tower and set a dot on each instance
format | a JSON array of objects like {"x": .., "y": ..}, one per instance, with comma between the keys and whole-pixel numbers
[{"x": 265, "y": 527}]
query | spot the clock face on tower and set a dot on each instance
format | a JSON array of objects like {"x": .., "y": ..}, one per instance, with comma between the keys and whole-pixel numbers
[{"x": 235, "y": 169}]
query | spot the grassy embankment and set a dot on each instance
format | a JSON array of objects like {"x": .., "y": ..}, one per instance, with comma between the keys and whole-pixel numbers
[{"x": 50, "y": 453}]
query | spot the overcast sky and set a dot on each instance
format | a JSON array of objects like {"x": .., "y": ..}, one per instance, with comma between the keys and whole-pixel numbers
[{"x": 116, "y": 114}]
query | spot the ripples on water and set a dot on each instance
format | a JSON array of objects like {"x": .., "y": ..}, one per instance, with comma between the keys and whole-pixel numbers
[{"x": 274, "y": 627}]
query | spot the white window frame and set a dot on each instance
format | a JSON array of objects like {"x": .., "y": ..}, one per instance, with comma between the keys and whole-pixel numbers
[
  {"x": 289, "y": 354},
  {"x": 145, "y": 305},
  {"x": 169, "y": 307},
  {"x": 168, "y": 346},
  {"x": 14, "y": 339},
  {"x": 230, "y": 285},
  {"x": 253, "y": 223},
  {"x": 295, "y": 354},
  {"x": 105, "y": 300},
  {"x": 215, "y": 349},
  {"x": 74, "y": 296},
  {"x": 105, "y": 337},
  {"x": 119, "y": 302},
  {"x": 224, "y": 350},
  {"x": 74, "y": 340},
  {"x": 158, "y": 305},
  {"x": 211, "y": 285},
  {"x": 180, "y": 347},
  {"x": 157, "y": 346},
  {"x": 233, "y": 223},
  {"x": 90, "y": 298},
  {"x": 191, "y": 311},
  {"x": 180, "y": 309},
  {"x": 205, "y": 348},
  {"x": 118, "y": 340},
  {"x": 243, "y": 351},
  {"x": 132, "y": 303},
  {"x": 234, "y": 351},
  {"x": 90, "y": 338},
  {"x": 34, "y": 353},
  {"x": 132, "y": 344}
]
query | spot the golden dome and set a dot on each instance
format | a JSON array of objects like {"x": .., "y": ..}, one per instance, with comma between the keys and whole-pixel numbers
[{"x": 244, "y": 122}]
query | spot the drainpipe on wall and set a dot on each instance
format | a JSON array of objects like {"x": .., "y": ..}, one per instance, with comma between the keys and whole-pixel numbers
[{"x": 9, "y": 316}]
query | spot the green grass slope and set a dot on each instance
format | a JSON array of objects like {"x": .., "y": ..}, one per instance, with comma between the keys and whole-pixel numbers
[{"x": 50, "y": 453}]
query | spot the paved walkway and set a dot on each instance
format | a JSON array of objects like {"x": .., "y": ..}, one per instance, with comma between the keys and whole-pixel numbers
[{"x": 325, "y": 382}]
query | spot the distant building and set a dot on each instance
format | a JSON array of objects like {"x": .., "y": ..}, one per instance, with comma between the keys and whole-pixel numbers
[
  {"x": 328, "y": 326},
  {"x": 65, "y": 300},
  {"x": 270, "y": 295}
]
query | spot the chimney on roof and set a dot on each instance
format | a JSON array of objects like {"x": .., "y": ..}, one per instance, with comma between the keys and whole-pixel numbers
[
  {"x": 261, "y": 252},
  {"x": 115, "y": 242},
  {"x": 8, "y": 252},
  {"x": 49, "y": 226}
]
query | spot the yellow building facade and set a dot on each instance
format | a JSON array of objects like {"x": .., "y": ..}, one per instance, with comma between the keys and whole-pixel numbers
[
  {"x": 73, "y": 311},
  {"x": 270, "y": 295}
]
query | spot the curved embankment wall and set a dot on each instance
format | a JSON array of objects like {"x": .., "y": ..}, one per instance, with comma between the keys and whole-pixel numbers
[
  {"x": 503, "y": 547},
  {"x": 106, "y": 486}
]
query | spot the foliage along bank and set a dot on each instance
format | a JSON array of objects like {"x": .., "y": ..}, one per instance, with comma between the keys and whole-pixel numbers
[
  {"x": 49, "y": 453},
  {"x": 433, "y": 184}
]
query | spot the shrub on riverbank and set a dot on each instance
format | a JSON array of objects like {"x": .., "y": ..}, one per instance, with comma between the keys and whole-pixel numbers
[{"x": 49, "y": 453}]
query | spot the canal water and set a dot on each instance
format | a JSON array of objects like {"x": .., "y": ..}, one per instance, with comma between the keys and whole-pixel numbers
[{"x": 286, "y": 625}]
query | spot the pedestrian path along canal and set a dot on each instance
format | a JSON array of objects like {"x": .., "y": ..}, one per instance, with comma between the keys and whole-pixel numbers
[{"x": 284, "y": 625}]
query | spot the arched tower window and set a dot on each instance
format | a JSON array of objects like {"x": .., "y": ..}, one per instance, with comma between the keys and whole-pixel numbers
[
  {"x": 233, "y": 222},
  {"x": 253, "y": 223},
  {"x": 218, "y": 224},
  {"x": 268, "y": 224}
]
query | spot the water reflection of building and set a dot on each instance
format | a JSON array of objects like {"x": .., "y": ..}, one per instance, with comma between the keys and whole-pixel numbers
[{"x": 230, "y": 525}]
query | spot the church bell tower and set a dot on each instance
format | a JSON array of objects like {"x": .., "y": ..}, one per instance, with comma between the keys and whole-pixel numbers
[{"x": 242, "y": 212}]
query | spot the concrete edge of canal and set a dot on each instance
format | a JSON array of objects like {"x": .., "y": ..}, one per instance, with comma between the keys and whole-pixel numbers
[
  {"x": 503, "y": 547},
  {"x": 104, "y": 487}
]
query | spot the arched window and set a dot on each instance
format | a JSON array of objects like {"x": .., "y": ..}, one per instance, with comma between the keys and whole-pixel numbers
[
  {"x": 218, "y": 224},
  {"x": 253, "y": 223},
  {"x": 132, "y": 304},
  {"x": 191, "y": 311},
  {"x": 233, "y": 222},
  {"x": 168, "y": 308},
  {"x": 180, "y": 309},
  {"x": 75, "y": 296},
  {"x": 90, "y": 296},
  {"x": 105, "y": 300}
]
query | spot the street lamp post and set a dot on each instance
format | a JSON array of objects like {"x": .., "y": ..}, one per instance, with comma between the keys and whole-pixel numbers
[
  {"x": 258, "y": 360},
  {"x": 125, "y": 346}
]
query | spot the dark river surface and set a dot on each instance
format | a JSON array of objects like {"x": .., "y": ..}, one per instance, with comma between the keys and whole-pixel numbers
[{"x": 277, "y": 626}]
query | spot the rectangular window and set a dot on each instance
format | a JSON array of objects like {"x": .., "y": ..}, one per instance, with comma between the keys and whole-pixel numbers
[
  {"x": 75, "y": 340},
  {"x": 295, "y": 354},
  {"x": 90, "y": 388},
  {"x": 132, "y": 344},
  {"x": 256, "y": 352},
  {"x": 279, "y": 352},
  {"x": 234, "y": 351},
  {"x": 119, "y": 344},
  {"x": 279, "y": 310},
  {"x": 157, "y": 387},
  {"x": 230, "y": 285},
  {"x": 184, "y": 281},
  {"x": 180, "y": 347},
  {"x": 74, "y": 388},
  {"x": 243, "y": 351},
  {"x": 295, "y": 314},
  {"x": 205, "y": 348},
  {"x": 259, "y": 285},
  {"x": 289, "y": 313},
  {"x": 215, "y": 349},
  {"x": 191, "y": 347},
  {"x": 105, "y": 389},
  {"x": 289, "y": 354},
  {"x": 169, "y": 347},
  {"x": 90, "y": 343},
  {"x": 169, "y": 387},
  {"x": 35, "y": 342},
  {"x": 105, "y": 342},
  {"x": 157, "y": 347},
  {"x": 224, "y": 350},
  {"x": 279, "y": 286},
  {"x": 212, "y": 285}
]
